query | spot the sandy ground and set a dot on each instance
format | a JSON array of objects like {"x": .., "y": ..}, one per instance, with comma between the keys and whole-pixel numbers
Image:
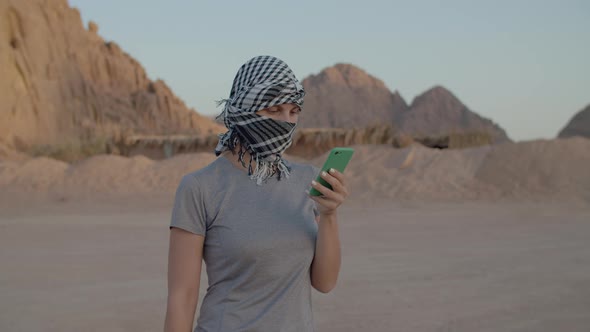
[{"x": 410, "y": 267}]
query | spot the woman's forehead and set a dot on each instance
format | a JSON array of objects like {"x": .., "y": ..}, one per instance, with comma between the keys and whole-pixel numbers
[{"x": 289, "y": 107}]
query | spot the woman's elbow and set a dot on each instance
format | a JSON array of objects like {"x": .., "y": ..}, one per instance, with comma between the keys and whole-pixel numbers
[{"x": 324, "y": 288}]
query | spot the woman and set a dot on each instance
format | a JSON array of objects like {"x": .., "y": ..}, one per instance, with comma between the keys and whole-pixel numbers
[{"x": 265, "y": 241}]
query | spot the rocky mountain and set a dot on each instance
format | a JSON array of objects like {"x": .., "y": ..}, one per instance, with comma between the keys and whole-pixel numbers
[
  {"x": 62, "y": 82},
  {"x": 347, "y": 97},
  {"x": 438, "y": 112},
  {"x": 579, "y": 125},
  {"x": 344, "y": 96}
]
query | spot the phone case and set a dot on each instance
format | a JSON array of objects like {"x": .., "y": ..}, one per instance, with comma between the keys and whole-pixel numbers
[{"x": 337, "y": 159}]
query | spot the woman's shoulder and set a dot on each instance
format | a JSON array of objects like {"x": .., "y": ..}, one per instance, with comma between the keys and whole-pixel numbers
[{"x": 204, "y": 174}]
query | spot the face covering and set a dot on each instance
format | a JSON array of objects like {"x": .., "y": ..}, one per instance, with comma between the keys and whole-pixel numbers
[{"x": 260, "y": 83}]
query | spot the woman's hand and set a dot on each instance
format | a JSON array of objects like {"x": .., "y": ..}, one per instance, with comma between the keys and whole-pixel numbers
[{"x": 331, "y": 199}]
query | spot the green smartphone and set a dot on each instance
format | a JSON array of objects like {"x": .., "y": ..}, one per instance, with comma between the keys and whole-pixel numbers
[{"x": 337, "y": 159}]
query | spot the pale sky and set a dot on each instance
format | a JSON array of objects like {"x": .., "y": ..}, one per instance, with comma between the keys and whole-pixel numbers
[{"x": 523, "y": 64}]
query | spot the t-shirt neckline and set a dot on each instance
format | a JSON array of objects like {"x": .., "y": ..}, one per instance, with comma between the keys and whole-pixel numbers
[{"x": 244, "y": 170}]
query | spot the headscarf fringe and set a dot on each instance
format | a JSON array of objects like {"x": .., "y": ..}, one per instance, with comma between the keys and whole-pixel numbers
[{"x": 267, "y": 167}]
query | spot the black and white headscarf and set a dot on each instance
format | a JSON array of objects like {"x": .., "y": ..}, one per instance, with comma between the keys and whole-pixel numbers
[{"x": 262, "y": 82}]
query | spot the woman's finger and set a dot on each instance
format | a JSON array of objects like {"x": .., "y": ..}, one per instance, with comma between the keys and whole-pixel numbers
[
  {"x": 325, "y": 202},
  {"x": 333, "y": 181},
  {"x": 337, "y": 174},
  {"x": 329, "y": 194},
  {"x": 338, "y": 186}
]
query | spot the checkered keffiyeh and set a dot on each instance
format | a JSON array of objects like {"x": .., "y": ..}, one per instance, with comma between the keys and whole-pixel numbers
[{"x": 260, "y": 83}]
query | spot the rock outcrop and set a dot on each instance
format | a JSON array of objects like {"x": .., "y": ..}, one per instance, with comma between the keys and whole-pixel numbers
[
  {"x": 437, "y": 112},
  {"x": 579, "y": 125},
  {"x": 344, "y": 96},
  {"x": 62, "y": 82}
]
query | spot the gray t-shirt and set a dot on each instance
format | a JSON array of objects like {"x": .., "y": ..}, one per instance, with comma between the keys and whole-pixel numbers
[{"x": 259, "y": 245}]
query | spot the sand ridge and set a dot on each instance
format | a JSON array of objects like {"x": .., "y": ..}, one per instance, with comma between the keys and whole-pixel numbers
[{"x": 536, "y": 170}]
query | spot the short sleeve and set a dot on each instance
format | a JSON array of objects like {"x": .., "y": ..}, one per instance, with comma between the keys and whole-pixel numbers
[{"x": 188, "y": 212}]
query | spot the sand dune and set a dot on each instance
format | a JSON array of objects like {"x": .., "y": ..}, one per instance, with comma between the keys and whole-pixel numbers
[
  {"x": 543, "y": 168},
  {"x": 536, "y": 170}
]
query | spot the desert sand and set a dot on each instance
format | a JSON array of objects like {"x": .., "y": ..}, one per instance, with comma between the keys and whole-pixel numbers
[
  {"x": 484, "y": 239},
  {"x": 408, "y": 267}
]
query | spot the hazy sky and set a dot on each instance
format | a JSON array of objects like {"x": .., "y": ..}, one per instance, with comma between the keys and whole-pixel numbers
[{"x": 524, "y": 64}]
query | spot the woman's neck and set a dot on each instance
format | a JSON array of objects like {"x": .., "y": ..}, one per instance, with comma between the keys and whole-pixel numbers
[{"x": 235, "y": 159}]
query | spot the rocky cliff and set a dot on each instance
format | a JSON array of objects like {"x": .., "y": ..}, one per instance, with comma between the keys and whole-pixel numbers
[{"x": 62, "y": 82}]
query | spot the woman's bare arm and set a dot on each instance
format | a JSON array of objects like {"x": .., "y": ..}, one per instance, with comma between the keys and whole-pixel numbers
[
  {"x": 325, "y": 266},
  {"x": 185, "y": 255}
]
